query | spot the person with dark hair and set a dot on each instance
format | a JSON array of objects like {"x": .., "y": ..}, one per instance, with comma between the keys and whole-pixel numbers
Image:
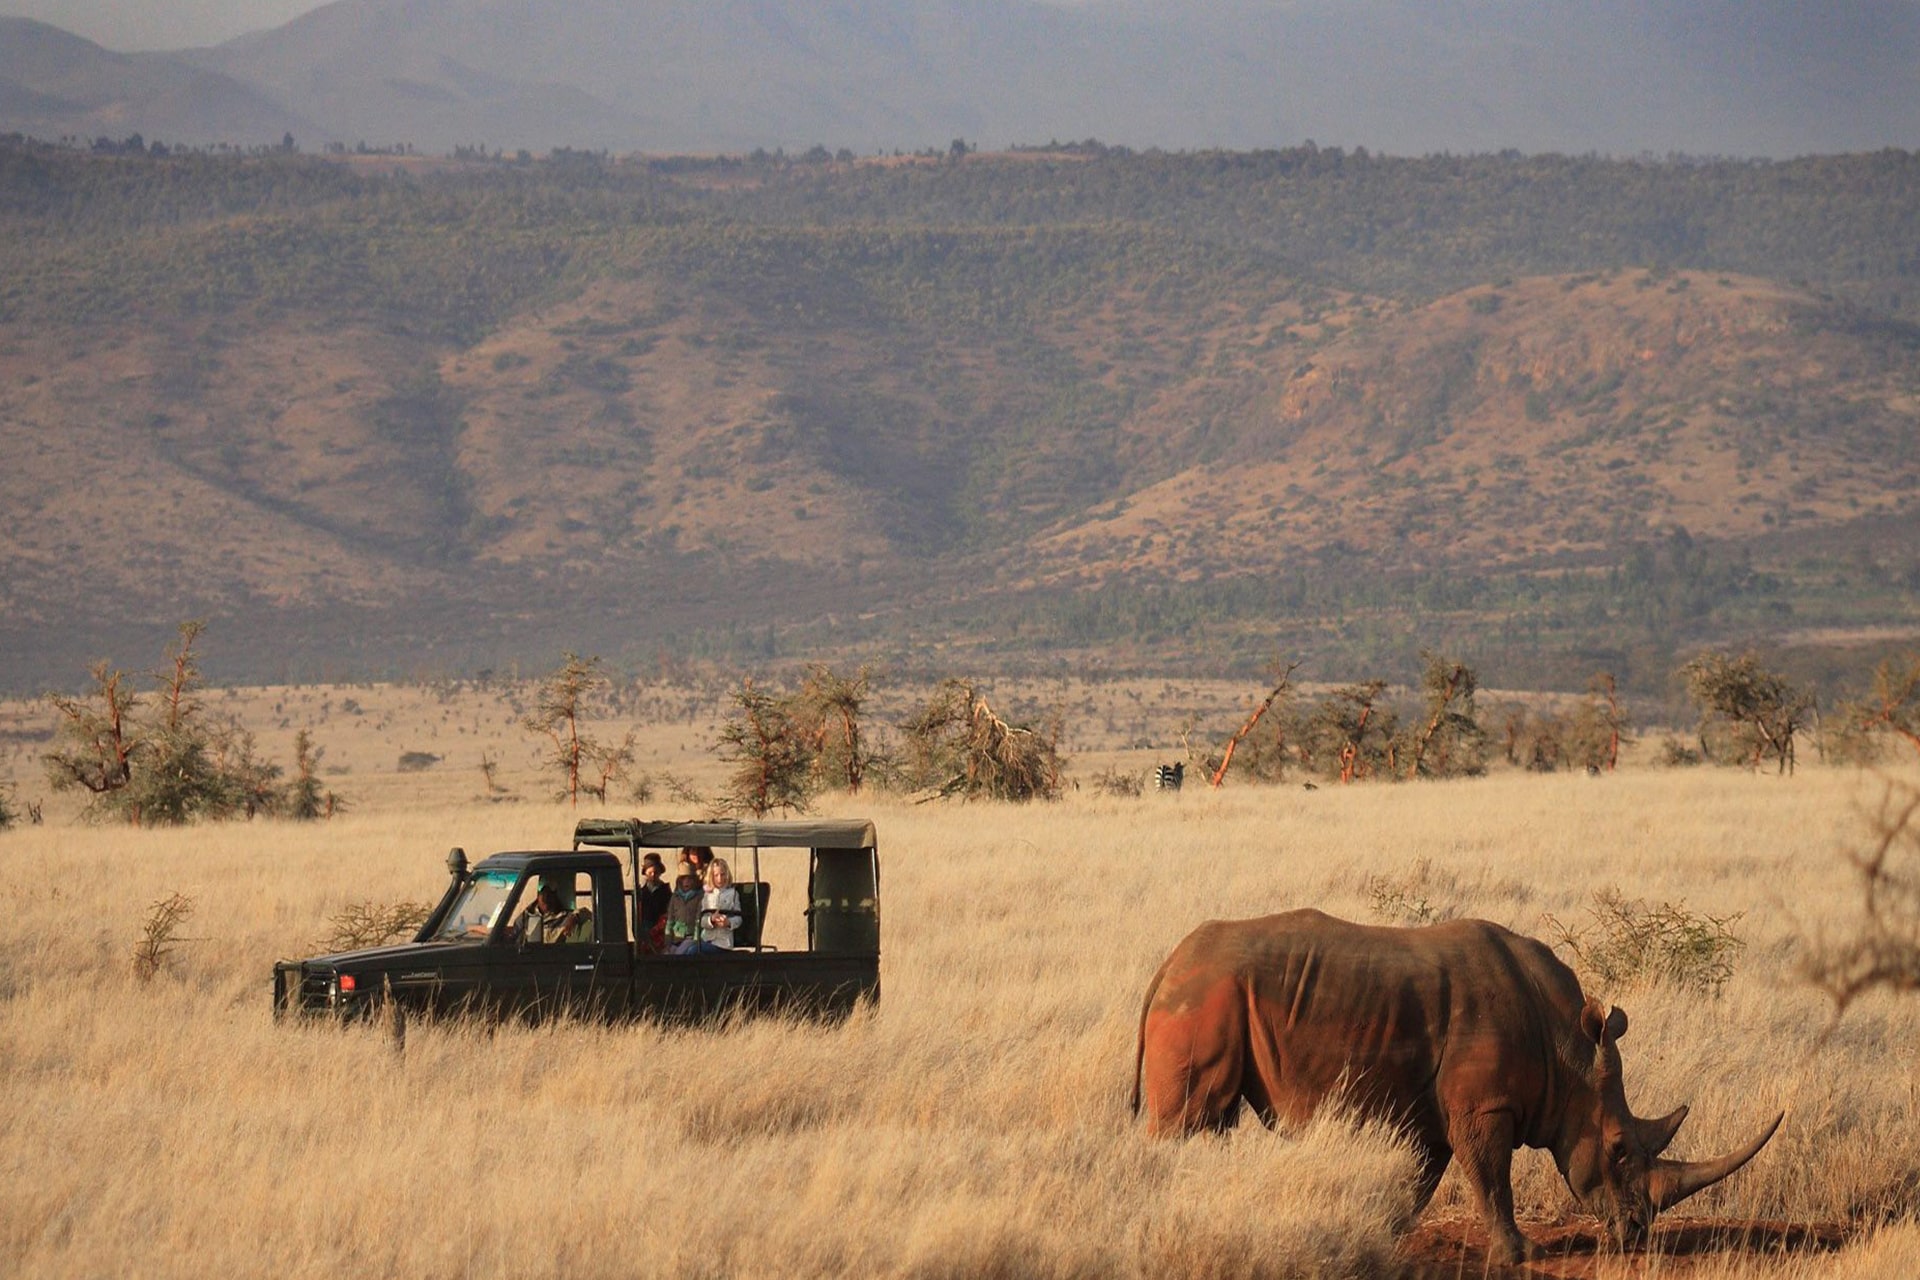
[
  {"x": 549, "y": 919},
  {"x": 654, "y": 894},
  {"x": 699, "y": 857}
]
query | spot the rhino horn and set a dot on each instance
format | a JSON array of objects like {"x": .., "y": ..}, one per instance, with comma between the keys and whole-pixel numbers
[
  {"x": 1657, "y": 1133},
  {"x": 1672, "y": 1181}
]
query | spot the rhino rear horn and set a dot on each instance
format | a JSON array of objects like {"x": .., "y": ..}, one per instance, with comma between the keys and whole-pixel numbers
[
  {"x": 1672, "y": 1181},
  {"x": 1656, "y": 1134}
]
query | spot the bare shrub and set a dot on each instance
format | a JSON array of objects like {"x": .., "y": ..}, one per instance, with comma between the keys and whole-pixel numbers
[
  {"x": 1626, "y": 943},
  {"x": 1118, "y": 782},
  {"x": 1882, "y": 950},
  {"x": 360, "y": 925},
  {"x": 160, "y": 935},
  {"x": 7, "y": 815},
  {"x": 1401, "y": 899}
]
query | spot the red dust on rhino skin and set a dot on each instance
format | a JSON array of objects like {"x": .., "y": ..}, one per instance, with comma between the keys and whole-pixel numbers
[{"x": 1472, "y": 1039}]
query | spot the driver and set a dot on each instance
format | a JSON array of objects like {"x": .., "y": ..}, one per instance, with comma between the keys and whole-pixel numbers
[{"x": 546, "y": 920}]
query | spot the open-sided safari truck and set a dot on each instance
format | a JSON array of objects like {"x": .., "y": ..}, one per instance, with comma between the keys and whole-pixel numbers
[{"x": 471, "y": 954}]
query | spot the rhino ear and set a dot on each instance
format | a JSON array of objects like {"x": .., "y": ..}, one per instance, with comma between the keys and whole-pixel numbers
[
  {"x": 1592, "y": 1024},
  {"x": 1616, "y": 1023}
]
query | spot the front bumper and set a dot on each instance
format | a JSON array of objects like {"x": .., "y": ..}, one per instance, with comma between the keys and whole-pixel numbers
[{"x": 310, "y": 990}]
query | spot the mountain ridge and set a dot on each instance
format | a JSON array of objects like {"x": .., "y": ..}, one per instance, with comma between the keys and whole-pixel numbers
[{"x": 1704, "y": 77}]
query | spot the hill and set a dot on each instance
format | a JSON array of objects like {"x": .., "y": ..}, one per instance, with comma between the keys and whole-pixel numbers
[
  {"x": 458, "y": 415},
  {"x": 55, "y": 85}
]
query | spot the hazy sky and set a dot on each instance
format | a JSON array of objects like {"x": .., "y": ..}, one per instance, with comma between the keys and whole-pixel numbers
[{"x": 159, "y": 24}]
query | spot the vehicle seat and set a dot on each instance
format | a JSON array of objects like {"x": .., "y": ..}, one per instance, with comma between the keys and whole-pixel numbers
[{"x": 753, "y": 912}]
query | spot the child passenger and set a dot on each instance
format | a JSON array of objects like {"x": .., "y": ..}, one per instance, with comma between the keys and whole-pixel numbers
[{"x": 683, "y": 912}]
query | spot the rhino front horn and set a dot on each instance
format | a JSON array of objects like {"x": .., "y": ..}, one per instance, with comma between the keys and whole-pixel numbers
[{"x": 1672, "y": 1181}]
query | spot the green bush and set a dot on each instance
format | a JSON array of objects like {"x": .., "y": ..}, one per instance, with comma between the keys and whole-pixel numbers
[{"x": 1629, "y": 943}]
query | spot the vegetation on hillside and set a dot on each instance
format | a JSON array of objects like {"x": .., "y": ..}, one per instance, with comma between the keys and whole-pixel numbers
[{"x": 954, "y": 390}]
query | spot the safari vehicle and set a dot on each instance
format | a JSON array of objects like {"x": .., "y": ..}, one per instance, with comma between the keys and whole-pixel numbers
[{"x": 470, "y": 954}]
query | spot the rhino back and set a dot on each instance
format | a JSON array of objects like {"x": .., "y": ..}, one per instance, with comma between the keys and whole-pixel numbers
[{"x": 1407, "y": 1021}]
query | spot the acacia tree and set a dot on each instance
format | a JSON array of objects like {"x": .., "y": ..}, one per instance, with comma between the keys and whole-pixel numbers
[
  {"x": 1600, "y": 725},
  {"x": 772, "y": 764},
  {"x": 1758, "y": 710},
  {"x": 1892, "y": 707},
  {"x": 101, "y": 737},
  {"x": 305, "y": 799},
  {"x": 159, "y": 759},
  {"x": 1282, "y": 690},
  {"x": 827, "y": 712},
  {"x": 192, "y": 769},
  {"x": 573, "y": 756},
  {"x": 1449, "y": 741},
  {"x": 1350, "y": 734}
]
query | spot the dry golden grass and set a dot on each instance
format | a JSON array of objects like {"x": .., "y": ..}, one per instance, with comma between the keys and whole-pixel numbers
[{"x": 973, "y": 1123}]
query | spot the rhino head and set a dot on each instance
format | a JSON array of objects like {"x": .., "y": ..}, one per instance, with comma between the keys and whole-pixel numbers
[{"x": 1612, "y": 1158}]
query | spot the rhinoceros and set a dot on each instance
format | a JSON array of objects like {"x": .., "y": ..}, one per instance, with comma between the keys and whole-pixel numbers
[{"x": 1472, "y": 1039}]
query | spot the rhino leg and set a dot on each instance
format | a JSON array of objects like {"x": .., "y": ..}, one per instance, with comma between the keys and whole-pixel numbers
[
  {"x": 1484, "y": 1146},
  {"x": 1193, "y": 1057},
  {"x": 1434, "y": 1159}
]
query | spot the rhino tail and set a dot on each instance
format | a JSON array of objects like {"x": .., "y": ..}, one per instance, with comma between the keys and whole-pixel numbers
[{"x": 1140, "y": 1038}]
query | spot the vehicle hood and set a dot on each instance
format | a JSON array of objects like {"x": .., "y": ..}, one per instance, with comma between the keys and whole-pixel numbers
[{"x": 405, "y": 955}]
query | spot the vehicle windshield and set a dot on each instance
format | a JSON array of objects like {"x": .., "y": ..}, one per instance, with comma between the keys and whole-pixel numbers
[{"x": 477, "y": 907}]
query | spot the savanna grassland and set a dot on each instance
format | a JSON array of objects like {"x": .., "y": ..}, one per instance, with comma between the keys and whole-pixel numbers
[{"x": 974, "y": 1122}]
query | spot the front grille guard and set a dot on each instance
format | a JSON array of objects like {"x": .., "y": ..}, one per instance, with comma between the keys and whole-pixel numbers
[{"x": 300, "y": 988}]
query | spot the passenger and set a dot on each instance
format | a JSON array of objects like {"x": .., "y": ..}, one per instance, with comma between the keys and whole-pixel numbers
[
  {"x": 719, "y": 913},
  {"x": 682, "y": 929},
  {"x": 699, "y": 857},
  {"x": 547, "y": 920},
  {"x": 654, "y": 896}
]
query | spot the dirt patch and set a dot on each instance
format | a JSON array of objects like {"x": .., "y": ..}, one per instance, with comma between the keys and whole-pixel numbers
[{"x": 1458, "y": 1248}]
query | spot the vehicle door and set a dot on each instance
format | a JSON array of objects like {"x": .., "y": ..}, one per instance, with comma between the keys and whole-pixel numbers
[{"x": 575, "y": 964}]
